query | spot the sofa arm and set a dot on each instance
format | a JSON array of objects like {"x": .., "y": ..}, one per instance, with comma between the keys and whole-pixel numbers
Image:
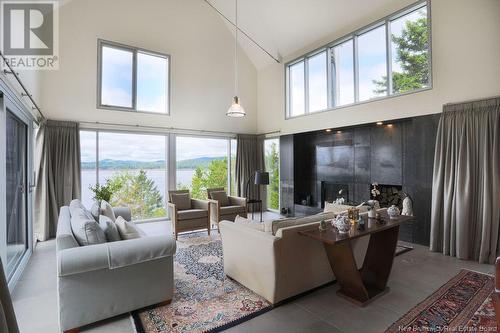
[
  {"x": 237, "y": 201},
  {"x": 124, "y": 212},
  {"x": 200, "y": 204},
  {"x": 138, "y": 250},
  {"x": 113, "y": 255},
  {"x": 251, "y": 257}
]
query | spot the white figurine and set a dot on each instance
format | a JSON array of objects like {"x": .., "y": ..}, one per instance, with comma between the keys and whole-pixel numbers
[{"x": 407, "y": 206}]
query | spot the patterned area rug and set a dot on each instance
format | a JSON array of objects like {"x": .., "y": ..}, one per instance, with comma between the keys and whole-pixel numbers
[
  {"x": 463, "y": 304},
  {"x": 204, "y": 299}
]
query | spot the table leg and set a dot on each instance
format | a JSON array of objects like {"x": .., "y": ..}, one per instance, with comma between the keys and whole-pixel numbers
[
  {"x": 261, "y": 211},
  {"x": 344, "y": 267}
]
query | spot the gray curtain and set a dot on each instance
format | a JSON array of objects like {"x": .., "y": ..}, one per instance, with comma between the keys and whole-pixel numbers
[
  {"x": 58, "y": 173},
  {"x": 8, "y": 323},
  {"x": 466, "y": 182},
  {"x": 250, "y": 158}
]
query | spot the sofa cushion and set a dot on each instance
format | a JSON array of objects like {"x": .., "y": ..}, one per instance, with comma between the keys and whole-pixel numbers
[
  {"x": 109, "y": 228},
  {"x": 335, "y": 208},
  {"x": 248, "y": 223},
  {"x": 107, "y": 210},
  {"x": 127, "y": 230},
  {"x": 291, "y": 222},
  {"x": 221, "y": 197},
  {"x": 190, "y": 214},
  {"x": 182, "y": 201},
  {"x": 84, "y": 227},
  {"x": 231, "y": 210}
]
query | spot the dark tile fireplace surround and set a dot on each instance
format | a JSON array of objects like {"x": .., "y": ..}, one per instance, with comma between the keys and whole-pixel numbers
[{"x": 315, "y": 166}]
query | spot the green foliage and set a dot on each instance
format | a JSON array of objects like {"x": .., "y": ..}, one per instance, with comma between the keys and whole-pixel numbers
[
  {"x": 138, "y": 192},
  {"x": 413, "y": 57},
  {"x": 104, "y": 192},
  {"x": 273, "y": 167},
  {"x": 215, "y": 175}
]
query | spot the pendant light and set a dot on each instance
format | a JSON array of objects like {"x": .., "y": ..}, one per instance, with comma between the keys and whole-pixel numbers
[{"x": 236, "y": 110}]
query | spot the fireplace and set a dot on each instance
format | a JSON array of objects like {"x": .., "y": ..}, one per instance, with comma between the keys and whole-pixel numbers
[
  {"x": 389, "y": 195},
  {"x": 333, "y": 191}
]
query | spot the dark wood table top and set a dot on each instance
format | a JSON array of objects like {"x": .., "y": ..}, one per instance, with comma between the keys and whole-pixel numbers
[{"x": 332, "y": 236}]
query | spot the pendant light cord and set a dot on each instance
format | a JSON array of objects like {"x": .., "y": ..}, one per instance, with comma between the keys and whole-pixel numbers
[{"x": 236, "y": 51}]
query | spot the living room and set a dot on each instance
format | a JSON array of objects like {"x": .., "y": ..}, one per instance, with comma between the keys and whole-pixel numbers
[{"x": 250, "y": 166}]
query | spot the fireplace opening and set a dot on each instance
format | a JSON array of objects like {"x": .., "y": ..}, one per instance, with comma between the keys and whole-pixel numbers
[
  {"x": 333, "y": 191},
  {"x": 388, "y": 195}
]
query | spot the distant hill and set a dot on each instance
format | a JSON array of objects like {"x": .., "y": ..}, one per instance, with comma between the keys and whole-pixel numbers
[{"x": 160, "y": 164}]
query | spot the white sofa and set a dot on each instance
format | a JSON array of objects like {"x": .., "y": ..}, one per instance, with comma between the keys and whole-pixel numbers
[
  {"x": 280, "y": 265},
  {"x": 100, "y": 281}
]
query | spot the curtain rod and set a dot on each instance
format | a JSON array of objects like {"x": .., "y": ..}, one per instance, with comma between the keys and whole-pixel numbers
[
  {"x": 473, "y": 100},
  {"x": 167, "y": 128},
  {"x": 243, "y": 32},
  {"x": 26, "y": 92}
]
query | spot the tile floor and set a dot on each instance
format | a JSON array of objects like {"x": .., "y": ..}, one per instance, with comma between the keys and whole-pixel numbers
[{"x": 415, "y": 275}]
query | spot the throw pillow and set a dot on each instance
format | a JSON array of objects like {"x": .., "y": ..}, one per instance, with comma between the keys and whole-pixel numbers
[
  {"x": 95, "y": 210},
  {"x": 107, "y": 211},
  {"x": 127, "y": 230},
  {"x": 221, "y": 197},
  {"x": 77, "y": 207},
  {"x": 182, "y": 201},
  {"x": 85, "y": 229},
  {"x": 249, "y": 223},
  {"x": 109, "y": 228}
]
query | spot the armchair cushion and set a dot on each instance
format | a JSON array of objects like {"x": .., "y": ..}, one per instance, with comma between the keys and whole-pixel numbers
[
  {"x": 232, "y": 210},
  {"x": 127, "y": 229},
  {"x": 181, "y": 200},
  {"x": 191, "y": 214},
  {"x": 221, "y": 197}
]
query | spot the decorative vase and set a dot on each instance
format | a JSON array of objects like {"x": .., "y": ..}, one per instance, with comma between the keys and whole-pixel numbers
[
  {"x": 372, "y": 213},
  {"x": 353, "y": 214},
  {"x": 342, "y": 223},
  {"x": 393, "y": 212}
]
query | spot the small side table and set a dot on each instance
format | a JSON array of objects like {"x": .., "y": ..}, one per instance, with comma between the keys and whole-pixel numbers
[{"x": 253, "y": 202}]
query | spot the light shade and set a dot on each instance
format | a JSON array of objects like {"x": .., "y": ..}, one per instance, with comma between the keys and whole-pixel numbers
[
  {"x": 261, "y": 178},
  {"x": 236, "y": 110}
]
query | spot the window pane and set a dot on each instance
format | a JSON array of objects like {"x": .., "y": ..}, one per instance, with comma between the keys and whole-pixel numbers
[
  {"x": 372, "y": 64},
  {"x": 296, "y": 87},
  {"x": 116, "y": 77},
  {"x": 410, "y": 51},
  {"x": 152, "y": 83},
  {"x": 272, "y": 160},
  {"x": 343, "y": 73},
  {"x": 201, "y": 164},
  {"x": 88, "y": 165},
  {"x": 136, "y": 165},
  {"x": 233, "y": 166},
  {"x": 317, "y": 82}
]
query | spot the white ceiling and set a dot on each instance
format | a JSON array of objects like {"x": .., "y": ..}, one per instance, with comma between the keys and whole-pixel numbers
[{"x": 284, "y": 27}]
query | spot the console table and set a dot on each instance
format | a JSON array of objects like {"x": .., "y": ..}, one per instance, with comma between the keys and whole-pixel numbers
[{"x": 361, "y": 286}]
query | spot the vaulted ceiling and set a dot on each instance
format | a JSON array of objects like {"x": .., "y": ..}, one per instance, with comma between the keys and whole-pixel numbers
[{"x": 284, "y": 27}]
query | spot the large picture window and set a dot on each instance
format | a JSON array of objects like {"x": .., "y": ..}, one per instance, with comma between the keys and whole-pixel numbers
[
  {"x": 135, "y": 164},
  {"x": 272, "y": 161},
  {"x": 389, "y": 57},
  {"x": 132, "y": 79},
  {"x": 204, "y": 163}
]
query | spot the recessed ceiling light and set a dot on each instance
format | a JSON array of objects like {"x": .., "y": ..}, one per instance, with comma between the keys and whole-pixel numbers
[
  {"x": 390, "y": 125},
  {"x": 339, "y": 132},
  {"x": 379, "y": 123},
  {"x": 329, "y": 130}
]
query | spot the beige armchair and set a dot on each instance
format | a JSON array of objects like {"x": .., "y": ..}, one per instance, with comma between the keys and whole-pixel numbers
[
  {"x": 224, "y": 207},
  {"x": 188, "y": 214}
]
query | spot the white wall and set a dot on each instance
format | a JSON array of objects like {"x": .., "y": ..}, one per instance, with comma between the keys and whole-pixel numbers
[
  {"x": 201, "y": 49},
  {"x": 465, "y": 61}
]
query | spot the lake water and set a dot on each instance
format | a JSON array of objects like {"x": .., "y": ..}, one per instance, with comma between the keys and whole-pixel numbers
[{"x": 184, "y": 177}]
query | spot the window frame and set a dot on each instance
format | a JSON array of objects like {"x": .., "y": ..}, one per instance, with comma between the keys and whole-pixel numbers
[
  {"x": 134, "y": 50},
  {"x": 385, "y": 21}
]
